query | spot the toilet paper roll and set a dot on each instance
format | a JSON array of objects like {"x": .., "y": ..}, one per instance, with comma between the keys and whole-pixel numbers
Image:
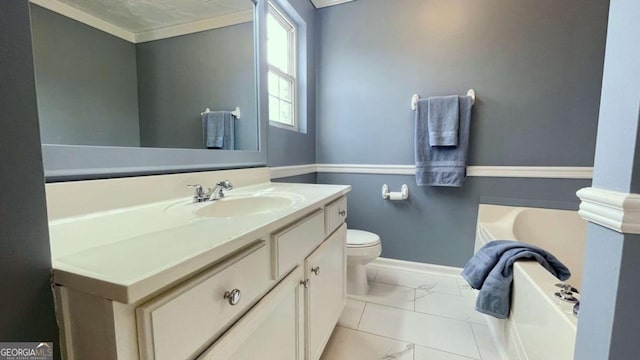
[{"x": 396, "y": 196}]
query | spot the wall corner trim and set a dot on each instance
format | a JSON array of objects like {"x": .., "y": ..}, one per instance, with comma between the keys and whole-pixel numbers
[{"x": 614, "y": 210}]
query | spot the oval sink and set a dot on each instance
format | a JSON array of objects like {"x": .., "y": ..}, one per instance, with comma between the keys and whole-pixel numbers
[{"x": 243, "y": 206}]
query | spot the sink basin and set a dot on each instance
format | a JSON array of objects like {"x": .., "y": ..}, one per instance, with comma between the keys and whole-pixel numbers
[{"x": 244, "y": 206}]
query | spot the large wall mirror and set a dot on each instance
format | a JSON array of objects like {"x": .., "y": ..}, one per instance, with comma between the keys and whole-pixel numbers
[{"x": 133, "y": 87}]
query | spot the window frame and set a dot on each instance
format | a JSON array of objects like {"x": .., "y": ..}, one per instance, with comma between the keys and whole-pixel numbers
[{"x": 292, "y": 29}]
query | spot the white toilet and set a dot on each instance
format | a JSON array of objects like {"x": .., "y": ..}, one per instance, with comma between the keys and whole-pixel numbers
[{"x": 362, "y": 248}]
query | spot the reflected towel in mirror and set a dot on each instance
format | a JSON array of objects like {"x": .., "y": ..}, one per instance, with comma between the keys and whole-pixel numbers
[{"x": 218, "y": 128}]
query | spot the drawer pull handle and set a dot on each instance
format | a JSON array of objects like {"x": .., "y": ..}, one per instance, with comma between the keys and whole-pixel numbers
[
  {"x": 342, "y": 212},
  {"x": 232, "y": 296},
  {"x": 316, "y": 270},
  {"x": 305, "y": 283}
]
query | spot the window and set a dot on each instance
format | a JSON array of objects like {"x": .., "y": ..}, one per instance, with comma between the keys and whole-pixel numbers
[{"x": 281, "y": 58}]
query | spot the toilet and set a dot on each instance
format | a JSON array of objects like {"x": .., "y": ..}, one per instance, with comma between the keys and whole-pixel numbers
[{"x": 362, "y": 248}]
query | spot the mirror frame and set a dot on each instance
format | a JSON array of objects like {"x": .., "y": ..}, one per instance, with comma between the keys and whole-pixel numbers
[{"x": 80, "y": 162}]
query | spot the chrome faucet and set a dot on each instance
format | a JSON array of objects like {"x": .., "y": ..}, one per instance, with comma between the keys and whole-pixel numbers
[{"x": 216, "y": 193}]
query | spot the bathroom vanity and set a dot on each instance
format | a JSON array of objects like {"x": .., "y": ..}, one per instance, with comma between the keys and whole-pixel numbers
[{"x": 259, "y": 274}]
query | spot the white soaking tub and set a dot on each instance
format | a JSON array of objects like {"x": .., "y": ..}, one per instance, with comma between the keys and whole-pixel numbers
[{"x": 540, "y": 327}]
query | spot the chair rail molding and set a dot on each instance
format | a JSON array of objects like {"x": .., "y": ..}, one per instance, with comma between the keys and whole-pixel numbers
[
  {"x": 279, "y": 172},
  {"x": 541, "y": 172},
  {"x": 612, "y": 209}
]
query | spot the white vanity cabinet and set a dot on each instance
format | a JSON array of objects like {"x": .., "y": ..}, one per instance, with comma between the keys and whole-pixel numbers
[
  {"x": 326, "y": 291},
  {"x": 177, "y": 324},
  {"x": 272, "y": 330},
  {"x": 277, "y": 297}
]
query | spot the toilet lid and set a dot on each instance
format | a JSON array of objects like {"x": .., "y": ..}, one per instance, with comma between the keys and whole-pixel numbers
[{"x": 359, "y": 238}]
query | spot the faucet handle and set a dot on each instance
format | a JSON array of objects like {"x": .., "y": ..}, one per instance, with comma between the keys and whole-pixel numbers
[
  {"x": 199, "y": 194},
  {"x": 197, "y": 188},
  {"x": 567, "y": 288}
]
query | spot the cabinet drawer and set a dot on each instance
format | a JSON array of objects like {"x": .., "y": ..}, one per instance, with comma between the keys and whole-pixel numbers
[
  {"x": 181, "y": 323},
  {"x": 271, "y": 330},
  {"x": 335, "y": 214},
  {"x": 294, "y": 243}
]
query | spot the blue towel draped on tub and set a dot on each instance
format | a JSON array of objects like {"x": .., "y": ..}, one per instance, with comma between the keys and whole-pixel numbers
[
  {"x": 218, "y": 129},
  {"x": 491, "y": 271},
  {"x": 441, "y": 165}
]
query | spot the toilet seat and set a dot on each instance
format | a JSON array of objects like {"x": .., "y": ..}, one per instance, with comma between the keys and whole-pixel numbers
[{"x": 360, "y": 239}]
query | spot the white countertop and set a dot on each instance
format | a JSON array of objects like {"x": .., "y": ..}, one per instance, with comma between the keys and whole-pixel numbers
[{"x": 128, "y": 254}]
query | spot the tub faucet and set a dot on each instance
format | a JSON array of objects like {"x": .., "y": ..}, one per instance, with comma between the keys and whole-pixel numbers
[
  {"x": 566, "y": 293},
  {"x": 218, "y": 192}
]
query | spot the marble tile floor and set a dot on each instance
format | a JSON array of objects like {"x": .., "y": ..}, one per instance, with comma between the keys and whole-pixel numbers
[{"x": 411, "y": 316}]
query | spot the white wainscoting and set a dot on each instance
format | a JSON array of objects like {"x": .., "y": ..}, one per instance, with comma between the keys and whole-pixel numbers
[{"x": 540, "y": 172}]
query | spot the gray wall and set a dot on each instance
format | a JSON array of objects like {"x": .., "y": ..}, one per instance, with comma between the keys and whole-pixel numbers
[
  {"x": 287, "y": 147},
  {"x": 86, "y": 83},
  {"x": 26, "y": 303},
  {"x": 437, "y": 225},
  {"x": 536, "y": 66},
  {"x": 179, "y": 77}
]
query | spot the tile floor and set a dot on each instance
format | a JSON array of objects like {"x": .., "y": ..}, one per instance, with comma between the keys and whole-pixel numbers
[{"x": 411, "y": 316}]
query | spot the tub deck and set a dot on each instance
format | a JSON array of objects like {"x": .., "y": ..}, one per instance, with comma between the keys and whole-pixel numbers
[{"x": 540, "y": 327}]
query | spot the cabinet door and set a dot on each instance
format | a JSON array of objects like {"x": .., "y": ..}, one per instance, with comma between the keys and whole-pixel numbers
[
  {"x": 272, "y": 330},
  {"x": 326, "y": 293}
]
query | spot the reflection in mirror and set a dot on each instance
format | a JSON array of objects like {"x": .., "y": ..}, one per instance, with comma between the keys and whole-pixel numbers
[{"x": 141, "y": 73}]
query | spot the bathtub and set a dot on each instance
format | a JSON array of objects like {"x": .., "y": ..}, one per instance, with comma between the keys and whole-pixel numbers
[{"x": 540, "y": 327}]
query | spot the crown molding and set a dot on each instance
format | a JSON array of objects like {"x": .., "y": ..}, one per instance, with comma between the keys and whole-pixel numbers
[
  {"x": 151, "y": 35},
  {"x": 324, "y": 3},
  {"x": 82, "y": 17},
  {"x": 195, "y": 26},
  {"x": 614, "y": 210}
]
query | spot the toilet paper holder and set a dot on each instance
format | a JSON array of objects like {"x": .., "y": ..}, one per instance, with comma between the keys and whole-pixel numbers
[{"x": 402, "y": 195}]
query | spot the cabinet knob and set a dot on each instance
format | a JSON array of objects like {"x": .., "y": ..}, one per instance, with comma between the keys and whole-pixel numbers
[
  {"x": 232, "y": 296},
  {"x": 305, "y": 283},
  {"x": 316, "y": 270},
  {"x": 342, "y": 212}
]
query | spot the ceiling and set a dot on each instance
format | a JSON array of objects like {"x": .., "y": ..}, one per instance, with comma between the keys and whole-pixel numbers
[{"x": 137, "y": 16}]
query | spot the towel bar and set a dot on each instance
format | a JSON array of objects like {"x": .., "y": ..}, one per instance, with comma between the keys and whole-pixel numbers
[
  {"x": 416, "y": 97},
  {"x": 235, "y": 112}
]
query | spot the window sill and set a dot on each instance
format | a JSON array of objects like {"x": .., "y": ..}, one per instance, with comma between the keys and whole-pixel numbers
[{"x": 284, "y": 126}]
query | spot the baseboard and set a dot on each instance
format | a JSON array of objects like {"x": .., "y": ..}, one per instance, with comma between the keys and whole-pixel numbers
[{"x": 417, "y": 267}]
